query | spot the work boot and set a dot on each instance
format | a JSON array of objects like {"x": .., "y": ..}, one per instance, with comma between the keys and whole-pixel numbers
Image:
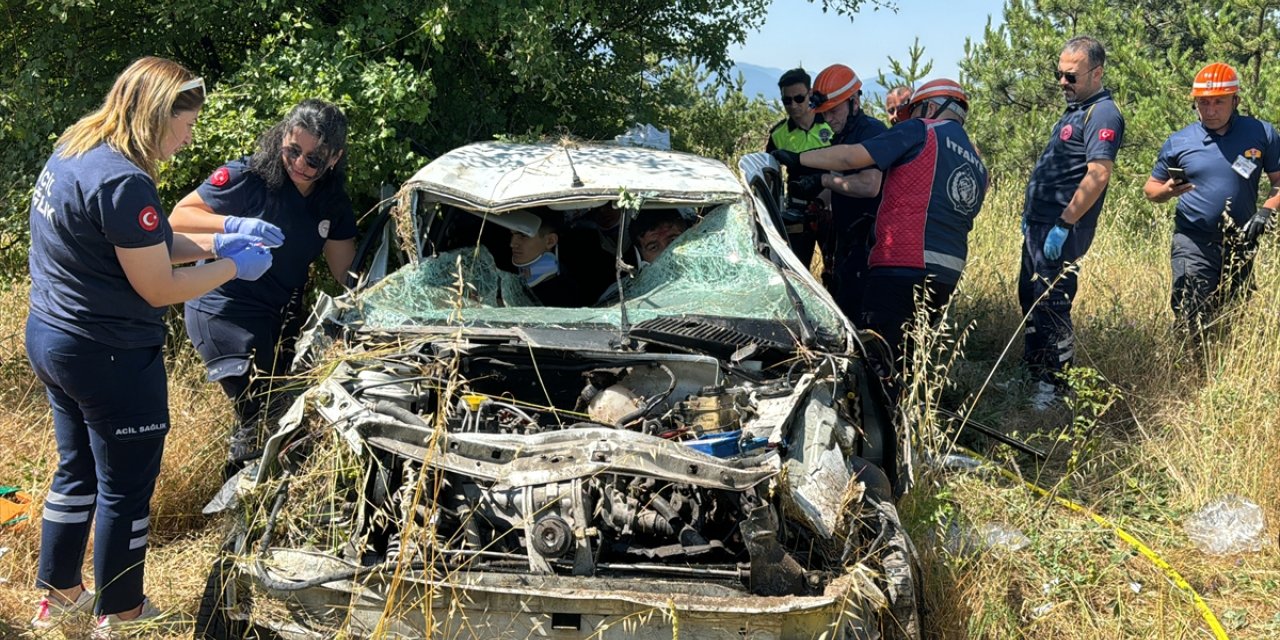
[
  {"x": 244, "y": 447},
  {"x": 1045, "y": 396}
]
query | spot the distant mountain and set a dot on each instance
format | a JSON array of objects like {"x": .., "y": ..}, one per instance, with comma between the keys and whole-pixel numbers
[{"x": 764, "y": 81}]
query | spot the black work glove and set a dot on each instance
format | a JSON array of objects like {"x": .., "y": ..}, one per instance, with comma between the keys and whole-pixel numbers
[
  {"x": 806, "y": 187},
  {"x": 788, "y": 159},
  {"x": 1257, "y": 225}
]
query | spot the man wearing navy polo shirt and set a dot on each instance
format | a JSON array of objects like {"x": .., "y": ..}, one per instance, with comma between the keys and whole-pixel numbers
[
  {"x": 1066, "y": 192},
  {"x": 1217, "y": 163}
]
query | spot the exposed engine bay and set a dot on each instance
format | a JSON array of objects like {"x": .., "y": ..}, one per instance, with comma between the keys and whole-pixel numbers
[{"x": 507, "y": 458}]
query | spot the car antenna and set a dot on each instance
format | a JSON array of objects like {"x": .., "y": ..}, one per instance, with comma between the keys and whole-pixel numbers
[
  {"x": 577, "y": 182},
  {"x": 619, "y": 267}
]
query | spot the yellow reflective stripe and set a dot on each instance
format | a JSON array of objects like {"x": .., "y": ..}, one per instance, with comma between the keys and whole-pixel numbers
[{"x": 1148, "y": 552}]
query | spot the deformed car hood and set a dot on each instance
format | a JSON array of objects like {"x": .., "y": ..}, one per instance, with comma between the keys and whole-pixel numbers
[{"x": 499, "y": 176}]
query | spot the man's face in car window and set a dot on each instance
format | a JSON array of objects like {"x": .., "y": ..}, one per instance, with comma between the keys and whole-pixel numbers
[
  {"x": 654, "y": 241},
  {"x": 526, "y": 249}
]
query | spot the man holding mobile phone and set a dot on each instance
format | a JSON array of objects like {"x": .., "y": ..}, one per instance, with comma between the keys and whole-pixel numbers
[{"x": 1221, "y": 159}]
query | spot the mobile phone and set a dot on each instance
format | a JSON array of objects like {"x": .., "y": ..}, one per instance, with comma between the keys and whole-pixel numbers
[{"x": 1178, "y": 174}]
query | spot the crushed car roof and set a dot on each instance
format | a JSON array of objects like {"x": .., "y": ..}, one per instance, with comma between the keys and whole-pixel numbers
[{"x": 501, "y": 176}]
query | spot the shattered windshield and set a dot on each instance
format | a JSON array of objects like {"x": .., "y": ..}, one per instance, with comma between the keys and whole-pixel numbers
[{"x": 713, "y": 269}]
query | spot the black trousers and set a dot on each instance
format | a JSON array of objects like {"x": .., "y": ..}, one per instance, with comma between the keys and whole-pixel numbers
[
  {"x": 1047, "y": 291},
  {"x": 891, "y": 302},
  {"x": 243, "y": 355}
]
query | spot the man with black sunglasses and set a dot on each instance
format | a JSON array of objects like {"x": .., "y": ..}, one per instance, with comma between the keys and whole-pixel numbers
[
  {"x": 802, "y": 130},
  {"x": 1065, "y": 195}
]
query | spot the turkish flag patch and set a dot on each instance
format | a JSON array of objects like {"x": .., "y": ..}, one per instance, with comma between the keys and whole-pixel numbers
[
  {"x": 220, "y": 177},
  {"x": 148, "y": 218},
  {"x": 1107, "y": 135}
]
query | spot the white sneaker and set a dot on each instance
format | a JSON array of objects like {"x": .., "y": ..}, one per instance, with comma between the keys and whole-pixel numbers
[
  {"x": 51, "y": 611},
  {"x": 111, "y": 627},
  {"x": 1045, "y": 396}
]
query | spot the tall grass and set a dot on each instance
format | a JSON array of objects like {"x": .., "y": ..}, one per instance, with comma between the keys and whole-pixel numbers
[
  {"x": 1185, "y": 430},
  {"x": 1186, "y": 427}
]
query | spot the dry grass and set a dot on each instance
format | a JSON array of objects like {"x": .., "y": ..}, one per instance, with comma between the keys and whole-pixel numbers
[
  {"x": 182, "y": 540},
  {"x": 1183, "y": 432}
]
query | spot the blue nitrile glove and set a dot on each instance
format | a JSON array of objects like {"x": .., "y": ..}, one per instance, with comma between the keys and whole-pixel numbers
[
  {"x": 1056, "y": 238},
  {"x": 225, "y": 244},
  {"x": 788, "y": 159},
  {"x": 271, "y": 235},
  {"x": 251, "y": 262}
]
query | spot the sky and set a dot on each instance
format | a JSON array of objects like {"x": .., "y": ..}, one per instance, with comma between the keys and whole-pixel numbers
[{"x": 797, "y": 33}]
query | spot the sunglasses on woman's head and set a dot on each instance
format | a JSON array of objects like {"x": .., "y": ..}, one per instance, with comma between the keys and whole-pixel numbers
[{"x": 313, "y": 160}]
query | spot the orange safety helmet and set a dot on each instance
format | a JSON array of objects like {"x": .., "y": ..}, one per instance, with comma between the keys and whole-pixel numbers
[
  {"x": 1217, "y": 79},
  {"x": 835, "y": 84},
  {"x": 944, "y": 92}
]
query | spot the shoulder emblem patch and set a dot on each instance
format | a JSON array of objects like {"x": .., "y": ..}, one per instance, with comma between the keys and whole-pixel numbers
[
  {"x": 1107, "y": 135},
  {"x": 148, "y": 218},
  {"x": 220, "y": 177}
]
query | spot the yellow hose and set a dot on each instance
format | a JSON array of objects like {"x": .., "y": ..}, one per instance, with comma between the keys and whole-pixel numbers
[{"x": 1216, "y": 627}]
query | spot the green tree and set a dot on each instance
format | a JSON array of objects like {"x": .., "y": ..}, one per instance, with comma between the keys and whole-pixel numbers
[
  {"x": 908, "y": 74},
  {"x": 1153, "y": 51},
  {"x": 415, "y": 78}
]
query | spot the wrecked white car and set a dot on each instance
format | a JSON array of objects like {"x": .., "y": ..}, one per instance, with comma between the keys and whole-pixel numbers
[{"x": 703, "y": 453}]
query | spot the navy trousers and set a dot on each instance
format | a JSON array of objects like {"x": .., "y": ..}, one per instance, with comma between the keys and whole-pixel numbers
[
  {"x": 110, "y": 416},
  {"x": 891, "y": 301},
  {"x": 243, "y": 354},
  {"x": 1047, "y": 290},
  {"x": 849, "y": 268},
  {"x": 1207, "y": 274}
]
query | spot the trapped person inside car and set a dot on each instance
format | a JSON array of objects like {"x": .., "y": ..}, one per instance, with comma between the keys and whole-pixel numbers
[
  {"x": 536, "y": 256},
  {"x": 653, "y": 231},
  {"x": 292, "y": 192}
]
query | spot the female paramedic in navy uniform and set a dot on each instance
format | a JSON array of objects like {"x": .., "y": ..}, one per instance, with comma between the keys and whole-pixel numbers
[
  {"x": 295, "y": 183},
  {"x": 101, "y": 276}
]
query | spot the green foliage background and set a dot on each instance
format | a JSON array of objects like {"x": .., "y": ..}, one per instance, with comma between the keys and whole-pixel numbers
[
  {"x": 419, "y": 78},
  {"x": 1154, "y": 48},
  {"x": 415, "y": 78}
]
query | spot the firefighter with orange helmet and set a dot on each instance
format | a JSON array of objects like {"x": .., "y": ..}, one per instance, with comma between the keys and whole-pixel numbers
[
  {"x": 932, "y": 184},
  {"x": 845, "y": 241},
  {"x": 1213, "y": 167}
]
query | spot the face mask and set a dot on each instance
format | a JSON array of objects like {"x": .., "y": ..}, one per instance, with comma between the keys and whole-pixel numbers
[{"x": 540, "y": 270}]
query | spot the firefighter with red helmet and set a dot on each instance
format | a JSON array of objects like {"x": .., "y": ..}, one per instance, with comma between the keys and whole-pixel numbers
[
  {"x": 837, "y": 96},
  {"x": 932, "y": 184},
  {"x": 1213, "y": 167}
]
